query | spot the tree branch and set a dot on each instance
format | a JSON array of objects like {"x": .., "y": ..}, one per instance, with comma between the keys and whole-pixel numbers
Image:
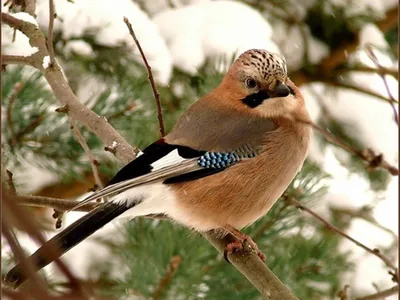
[
  {"x": 377, "y": 296},
  {"x": 150, "y": 77},
  {"x": 344, "y": 85},
  {"x": 61, "y": 89},
  {"x": 50, "y": 46},
  {"x": 249, "y": 264},
  {"x": 368, "y": 155}
]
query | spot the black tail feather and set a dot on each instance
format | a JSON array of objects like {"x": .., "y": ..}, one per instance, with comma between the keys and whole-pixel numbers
[{"x": 67, "y": 239}]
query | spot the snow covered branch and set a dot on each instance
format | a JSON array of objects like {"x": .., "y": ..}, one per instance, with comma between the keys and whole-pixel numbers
[{"x": 64, "y": 94}]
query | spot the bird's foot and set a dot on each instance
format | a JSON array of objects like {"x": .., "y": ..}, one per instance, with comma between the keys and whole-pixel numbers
[{"x": 240, "y": 244}]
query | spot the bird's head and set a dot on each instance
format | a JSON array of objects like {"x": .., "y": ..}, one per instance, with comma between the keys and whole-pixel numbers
[{"x": 257, "y": 82}]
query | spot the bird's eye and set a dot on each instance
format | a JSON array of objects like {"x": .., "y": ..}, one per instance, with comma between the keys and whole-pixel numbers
[{"x": 251, "y": 83}]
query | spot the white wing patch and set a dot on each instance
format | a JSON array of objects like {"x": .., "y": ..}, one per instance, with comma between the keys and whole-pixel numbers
[{"x": 171, "y": 158}]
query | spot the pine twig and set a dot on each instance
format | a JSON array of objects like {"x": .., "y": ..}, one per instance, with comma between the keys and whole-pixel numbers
[
  {"x": 149, "y": 76},
  {"x": 382, "y": 294},
  {"x": 375, "y": 251},
  {"x": 93, "y": 162},
  {"x": 174, "y": 263},
  {"x": 50, "y": 45}
]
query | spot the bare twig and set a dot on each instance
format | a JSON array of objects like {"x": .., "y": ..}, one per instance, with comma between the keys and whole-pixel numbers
[
  {"x": 359, "y": 89},
  {"x": 366, "y": 69},
  {"x": 382, "y": 294},
  {"x": 368, "y": 155},
  {"x": 93, "y": 162},
  {"x": 167, "y": 278},
  {"x": 149, "y": 76},
  {"x": 373, "y": 57},
  {"x": 10, "y": 182},
  {"x": 50, "y": 45},
  {"x": 389, "y": 263},
  {"x": 364, "y": 214},
  {"x": 58, "y": 204}
]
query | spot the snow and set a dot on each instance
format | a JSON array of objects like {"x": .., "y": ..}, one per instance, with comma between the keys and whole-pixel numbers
[
  {"x": 220, "y": 29},
  {"x": 46, "y": 62},
  {"x": 24, "y": 17},
  {"x": 105, "y": 21},
  {"x": 20, "y": 46},
  {"x": 79, "y": 47},
  {"x": 290, "y": 40}
]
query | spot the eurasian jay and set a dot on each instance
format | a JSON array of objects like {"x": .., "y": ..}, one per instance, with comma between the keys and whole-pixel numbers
[{"x": 223, "y": 165}]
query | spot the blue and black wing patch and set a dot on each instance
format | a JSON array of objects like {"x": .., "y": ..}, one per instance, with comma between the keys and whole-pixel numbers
[{"x": 151, "y": 155}]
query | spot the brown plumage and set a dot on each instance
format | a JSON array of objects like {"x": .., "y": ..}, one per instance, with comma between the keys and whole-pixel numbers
[{"x": 246, "y": 191}]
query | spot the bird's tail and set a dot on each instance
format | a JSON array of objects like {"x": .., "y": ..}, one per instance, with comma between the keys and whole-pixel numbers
[{"x": 65, "y": 240}]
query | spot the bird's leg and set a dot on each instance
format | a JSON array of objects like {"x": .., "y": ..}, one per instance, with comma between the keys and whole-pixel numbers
[{"x": 238, "y": 244}]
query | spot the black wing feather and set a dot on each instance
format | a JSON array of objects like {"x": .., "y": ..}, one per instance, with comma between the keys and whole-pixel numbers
[{"x": 142, "y": 165}]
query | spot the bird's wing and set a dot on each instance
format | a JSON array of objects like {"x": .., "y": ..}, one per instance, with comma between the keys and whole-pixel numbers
[{"x": 162, "y": 162}]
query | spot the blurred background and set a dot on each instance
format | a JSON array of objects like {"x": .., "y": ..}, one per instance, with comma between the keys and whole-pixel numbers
[{"x": 189, "y": 45}]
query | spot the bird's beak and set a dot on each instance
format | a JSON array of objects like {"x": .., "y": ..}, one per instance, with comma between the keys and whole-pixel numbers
[{"x": 281, "y": 90}]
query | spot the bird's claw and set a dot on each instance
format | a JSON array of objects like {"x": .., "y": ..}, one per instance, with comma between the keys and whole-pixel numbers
[{"x": 239, "y": 245}]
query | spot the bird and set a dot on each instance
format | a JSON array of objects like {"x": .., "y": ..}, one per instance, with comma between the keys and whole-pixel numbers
[{"x": 222, "y": 166}]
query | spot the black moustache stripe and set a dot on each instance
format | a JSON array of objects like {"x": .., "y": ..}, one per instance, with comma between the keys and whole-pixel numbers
[{"x": 255, "y": 99}]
